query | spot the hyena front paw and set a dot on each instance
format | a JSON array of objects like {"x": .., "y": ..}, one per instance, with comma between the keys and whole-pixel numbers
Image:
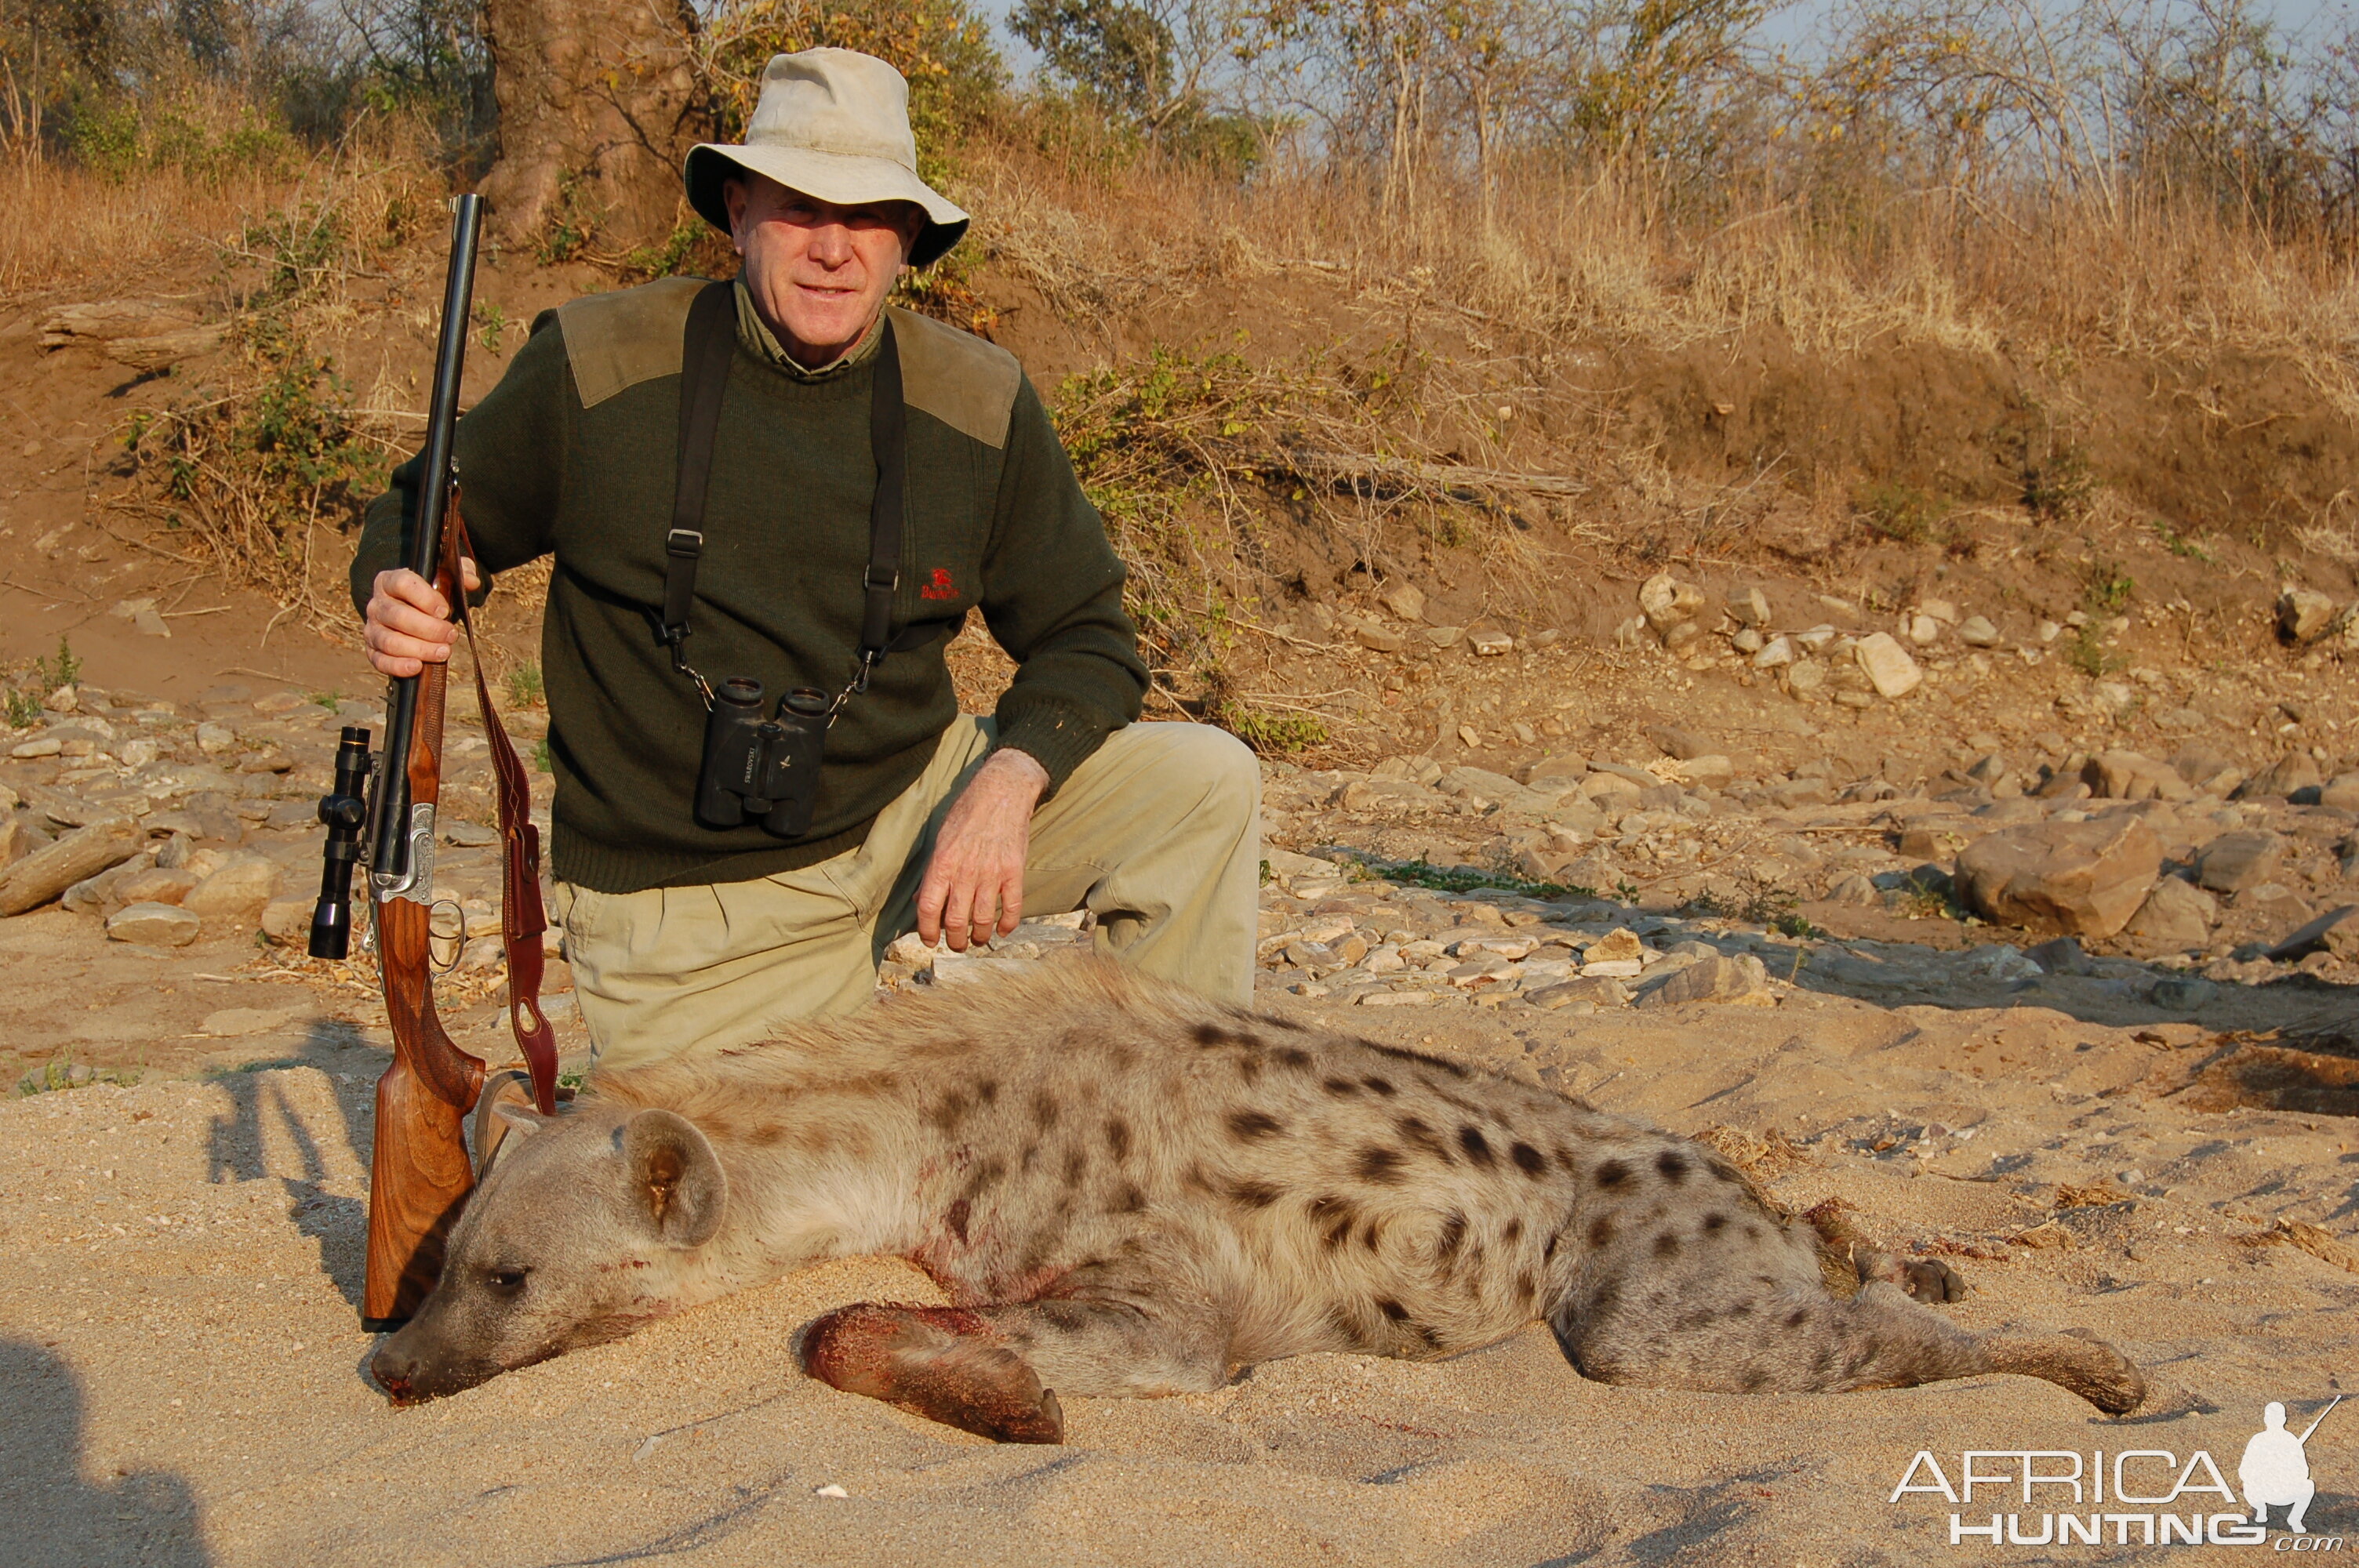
[{"x": 942, "y": 1363}]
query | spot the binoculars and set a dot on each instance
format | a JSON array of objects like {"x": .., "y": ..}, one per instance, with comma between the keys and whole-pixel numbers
[{"x": 761, "y": 770}]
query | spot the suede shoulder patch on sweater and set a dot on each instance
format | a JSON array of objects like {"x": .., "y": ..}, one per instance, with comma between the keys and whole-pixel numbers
[
  {"x": 614, "y": 342},
  {"x": 955, "y": 376}
]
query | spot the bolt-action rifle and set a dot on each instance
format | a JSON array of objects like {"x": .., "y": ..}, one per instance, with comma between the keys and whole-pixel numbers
[{"x": 420, "y": 1174}]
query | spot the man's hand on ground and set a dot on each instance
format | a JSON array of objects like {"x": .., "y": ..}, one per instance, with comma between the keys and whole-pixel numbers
[
  {"x": 975, "y": 879},
  {"x": 408, "y": 622}
]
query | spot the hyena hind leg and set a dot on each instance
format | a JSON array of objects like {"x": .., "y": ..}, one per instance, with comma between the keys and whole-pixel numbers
[
  {"x": 995, "y": 1371},
  {"x": 1801, "y": 1341}
]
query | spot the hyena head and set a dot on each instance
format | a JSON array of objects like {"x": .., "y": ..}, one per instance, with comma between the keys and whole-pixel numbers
[{"x": 579, "y": 1233}]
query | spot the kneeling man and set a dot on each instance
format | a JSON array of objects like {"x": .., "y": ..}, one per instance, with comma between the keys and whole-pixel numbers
[{"x": 733, "y": 492}]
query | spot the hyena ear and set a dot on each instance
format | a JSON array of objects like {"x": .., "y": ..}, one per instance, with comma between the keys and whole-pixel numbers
[
  {"x": 676, "y": 1179},
  {"x": 505, "y": 1107}
]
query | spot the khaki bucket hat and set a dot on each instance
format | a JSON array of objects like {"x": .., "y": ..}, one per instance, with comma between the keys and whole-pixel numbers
[{"x": 832, "y": 123}]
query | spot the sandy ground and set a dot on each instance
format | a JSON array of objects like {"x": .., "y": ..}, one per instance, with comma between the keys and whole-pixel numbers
[{"x": 183, "y": 1373}]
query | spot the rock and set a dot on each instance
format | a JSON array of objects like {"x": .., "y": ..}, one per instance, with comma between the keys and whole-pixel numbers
[
  {"x": 1941, "y": 610},
  {"x": 1776, "y": 652},
  {"x": 1749, "y": 607},
  {"x": 1579, "y": 816},
  {"x": 1794, "y": 793},
  {"x": 1386, "y": 796},
  {"x": 1404, "y": 599},
  {"x": 2235, "y": 861},
  {"x": 2296, "y": 769},
  {"x": 1805, "y": 679},
  {"x": 2061, "y": 956},
  {"x": 1378, "y": 638},
  {"x": 1444, "y": 636},
  {"x": 2077, "y": 878},
  {"x": 1709, "y": 771},
  {"x": 15, "y": 841},
  {"x": 154, "y": 926},
  {"x": 64, "y": 699},
  {"x": 288, "y": 921},
  {"x": 2127, "y": 775},
  {"x": 2207, "y": 770},
  {"x": 1748, "y": 640},
  {"x": 1920, "y": 629},
  {"x": 1598, "y": 991},
  {"x": 39, "y": 746},
  {"x": 1976, "y": 632},
  {"x": 1491, "y": 644},
  {"x": 2182, "y": 993},
  {"x": 82, "y": 853},
  {"x": 2176, "y": 918},
  {"x": 1602, "y": 786},
  {"x": 238, "y": 893},
  {"x": 1666, "y": 602},
  {"x": 462, "y": 835},
  {"x": 1615, "y": 946},
  {"x": 2336, "y": 932},
  {"x": 2342, "y": 794},
  {"x": 2274, "y": 906},
  {"x": 2303, "y": 614},
  {"x": 1854, "y": 889},
  {"x": 1597, "y": 872},
  {"x": 1679, "y": 744},
  {"x": 214, "y": 738},
  {"x": 150, "y": 884},
  {"x": 1560, "y": 770},
  {"x": 95, "y": 895},
  {"x": 1742, "y": 979},
  {"x": 1888, "y": 665}
]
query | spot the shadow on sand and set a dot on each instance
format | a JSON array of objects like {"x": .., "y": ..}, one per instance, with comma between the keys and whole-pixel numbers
[
  {"x": 50, "y": 1511},
  {"x": 339, "y": 1226}
]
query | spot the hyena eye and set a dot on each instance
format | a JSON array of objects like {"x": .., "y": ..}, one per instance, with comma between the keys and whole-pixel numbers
[{"x": 506, "y": 1281}]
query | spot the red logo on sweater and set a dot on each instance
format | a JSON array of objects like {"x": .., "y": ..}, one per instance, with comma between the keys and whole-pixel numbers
[{"x": 941, "y": 587}]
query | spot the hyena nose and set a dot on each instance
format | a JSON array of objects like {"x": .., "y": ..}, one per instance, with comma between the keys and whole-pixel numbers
[{"x": 393, "y": 1378}]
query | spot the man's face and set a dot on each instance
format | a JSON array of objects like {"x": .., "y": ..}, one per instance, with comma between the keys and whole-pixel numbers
[{"x": 819, "y": 273}]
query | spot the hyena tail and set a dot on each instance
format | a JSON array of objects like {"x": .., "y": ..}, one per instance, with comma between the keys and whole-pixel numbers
[{"x": 1800, "y": 1340}]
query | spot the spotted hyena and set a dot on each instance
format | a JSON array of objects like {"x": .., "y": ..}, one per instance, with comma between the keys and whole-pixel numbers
[{"x": 1127, "y": 1189}]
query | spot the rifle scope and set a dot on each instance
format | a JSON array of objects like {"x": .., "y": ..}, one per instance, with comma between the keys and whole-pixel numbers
[{"x": 345, "y": 811}]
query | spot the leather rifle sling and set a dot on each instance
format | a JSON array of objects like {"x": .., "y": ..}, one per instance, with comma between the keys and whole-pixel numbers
[{"x": 523, "y": 918}]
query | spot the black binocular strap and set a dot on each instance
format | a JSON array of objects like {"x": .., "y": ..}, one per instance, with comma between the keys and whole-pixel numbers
[{"x": 709, "y": 341}]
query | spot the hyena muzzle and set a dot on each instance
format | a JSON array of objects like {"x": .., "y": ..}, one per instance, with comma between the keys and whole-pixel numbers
[{"x": 1127, "y": 1189}]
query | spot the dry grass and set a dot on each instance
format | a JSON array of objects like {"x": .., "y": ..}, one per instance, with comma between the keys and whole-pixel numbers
[
  {"x": 2060, "y": 278},
  {"x": 69, "y": 226}
]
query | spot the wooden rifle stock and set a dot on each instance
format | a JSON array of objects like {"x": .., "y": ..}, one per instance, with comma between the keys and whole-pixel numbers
[{"x": 420, "y": 1174}]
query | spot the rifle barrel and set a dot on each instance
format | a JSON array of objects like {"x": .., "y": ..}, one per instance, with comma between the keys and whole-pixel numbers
[{"x": 390, "y": 851}]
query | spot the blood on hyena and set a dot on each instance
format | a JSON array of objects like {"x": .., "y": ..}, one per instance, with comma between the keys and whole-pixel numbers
[{"x": 1127, "y": 1189}]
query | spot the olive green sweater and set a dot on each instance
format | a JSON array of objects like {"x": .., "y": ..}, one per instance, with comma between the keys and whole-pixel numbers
[{"x": 572, "y": 455}]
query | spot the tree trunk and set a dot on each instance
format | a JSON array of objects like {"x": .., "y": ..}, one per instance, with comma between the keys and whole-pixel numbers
[{"x": 597, "y": 107}]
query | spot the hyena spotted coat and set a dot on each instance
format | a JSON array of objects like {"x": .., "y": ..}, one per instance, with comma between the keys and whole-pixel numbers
[{"x": 1127, "y": 1189}]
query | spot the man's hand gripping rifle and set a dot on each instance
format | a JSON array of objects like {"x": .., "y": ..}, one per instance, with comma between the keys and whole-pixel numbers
[{"x": 420, "y": 1174}]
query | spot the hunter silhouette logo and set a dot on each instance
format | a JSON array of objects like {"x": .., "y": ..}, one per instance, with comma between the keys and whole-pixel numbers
[
  {"x": 2136, "y": 1497},
  {"x": 2275, "y": 1471},
  {"x": 940, "y": 585}
]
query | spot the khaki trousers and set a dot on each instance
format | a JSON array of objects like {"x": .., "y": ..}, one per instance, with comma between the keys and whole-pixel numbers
[{"x": 1157, "y": 834}]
